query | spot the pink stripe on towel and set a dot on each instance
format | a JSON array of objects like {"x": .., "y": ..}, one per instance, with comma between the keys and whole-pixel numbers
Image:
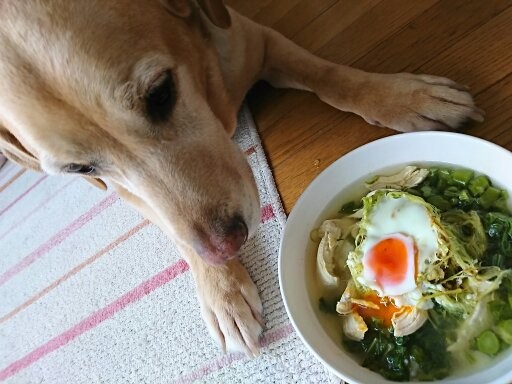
[
  {"x": 12, "y": 179},
  {"x": 58, "y": 238},
  {"x": 23, "y": 194},
  {"x": 267, "y": 213},
  {"x": 216, "y": 365},
  {"x": 96, "y": 318},
  {"x": 44, "y": 202},
  {"x": 75, "y": 270}
]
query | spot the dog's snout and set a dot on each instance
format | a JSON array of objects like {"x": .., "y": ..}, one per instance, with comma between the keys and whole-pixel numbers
[{"x": 223, "y": 240}]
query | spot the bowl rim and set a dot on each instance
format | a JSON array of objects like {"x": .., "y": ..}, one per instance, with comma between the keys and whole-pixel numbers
[{"x": 485, "y": 145}]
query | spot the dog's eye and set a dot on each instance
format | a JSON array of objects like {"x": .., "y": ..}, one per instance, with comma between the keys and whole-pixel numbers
[
  {"x": 80, "y": 168},
  {"x": 160, "y": 98}
]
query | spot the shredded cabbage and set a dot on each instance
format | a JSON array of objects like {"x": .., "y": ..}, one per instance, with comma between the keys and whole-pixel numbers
[{"x": 454, "y": 278}]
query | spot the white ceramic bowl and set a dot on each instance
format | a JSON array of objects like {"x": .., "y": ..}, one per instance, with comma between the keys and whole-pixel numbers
[{"x": 327, "y": 191}]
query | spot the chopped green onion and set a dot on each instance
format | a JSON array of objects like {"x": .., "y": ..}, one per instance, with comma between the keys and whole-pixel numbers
[
  {"x": 490, "y": 195},
  {"x": 496, "y": 309},
  {"x": 478, "y": 185},
  {"x": 462, "y": 176},
  {"x": 426, "y": 191},
  {"x": 444, "y": 179},
  {"x": 504, "y": 330},
  {"x": 464, "y": 195},
  {"x": 488, "y": 343},
  {"x": 451, "y": 192},
  {"x": 439, "y": 202},
  {"x": 501, "y": 204},
  {"x": 433, "y": 178},
  {"x": 444, "y": 174}
]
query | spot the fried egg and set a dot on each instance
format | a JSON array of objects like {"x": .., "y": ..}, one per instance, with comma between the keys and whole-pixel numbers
[{"x": 399, "y": 243}]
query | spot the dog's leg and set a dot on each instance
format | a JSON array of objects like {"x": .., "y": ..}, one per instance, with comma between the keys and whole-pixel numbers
[
  {"x": 402, "y": 101},
  {"x": 229, "y": 300}
]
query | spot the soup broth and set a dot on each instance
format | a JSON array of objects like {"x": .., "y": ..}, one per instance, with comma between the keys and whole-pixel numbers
[{"x": 332, "y": 323}]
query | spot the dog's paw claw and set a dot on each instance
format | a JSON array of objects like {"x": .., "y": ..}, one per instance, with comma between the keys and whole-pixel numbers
[
  {"x": 231, "y": 308},
  {"x": 407, "y": 102}
]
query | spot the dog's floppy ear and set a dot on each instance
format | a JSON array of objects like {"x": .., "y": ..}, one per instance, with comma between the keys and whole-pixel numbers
[
  {"x": 214, "y": 9},
  {"x": 216, "y": 12},
  {"x": 15, "y": 151},
  {"x": 11, "y": 147}
]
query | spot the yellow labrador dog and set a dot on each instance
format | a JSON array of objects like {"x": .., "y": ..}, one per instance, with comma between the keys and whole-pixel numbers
[{"x": 145, "y": 94}]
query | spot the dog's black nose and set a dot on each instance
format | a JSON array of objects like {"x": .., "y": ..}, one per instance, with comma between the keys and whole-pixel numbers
[{"x": 223, "y": 240}]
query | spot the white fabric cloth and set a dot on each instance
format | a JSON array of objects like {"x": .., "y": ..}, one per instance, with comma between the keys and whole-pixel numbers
[{"x": 90, "y": 292}]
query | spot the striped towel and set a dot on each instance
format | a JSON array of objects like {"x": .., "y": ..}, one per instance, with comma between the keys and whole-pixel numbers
[{"x": 91, "y": 292}]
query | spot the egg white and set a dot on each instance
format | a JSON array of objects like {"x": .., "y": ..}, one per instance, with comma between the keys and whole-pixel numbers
[{"x": 411, "y": 219}]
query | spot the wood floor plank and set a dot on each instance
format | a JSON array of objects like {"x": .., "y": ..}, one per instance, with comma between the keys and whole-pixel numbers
[
  {"x": 482, "y": 58},
  {"x": 470, "y": 41},
  {"x": 290, "y": 133},
  {"x": 379, "y": 23},
  {"x": 275, "y": 103},
  {"x": 344, "y": 135},
  {"x": 274, "y": 11},
  {"x": 331, "y": 23},
  {"x": 399, "y": 14},
  {"x": 247, "y": 8},
  {"x": 496, "y": 101},
  {"x": 441, "y": 26},
  {"x": 306, "y": 125},
  {"x": 479, "y": 70},
  {"x": 301, "y": 15}
]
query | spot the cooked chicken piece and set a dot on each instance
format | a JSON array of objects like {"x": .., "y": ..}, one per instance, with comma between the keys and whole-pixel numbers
[
  {"x": 354, "y": 326},
  {"x": 408, "y": 177},
  {"x": 408, "y": 320}
]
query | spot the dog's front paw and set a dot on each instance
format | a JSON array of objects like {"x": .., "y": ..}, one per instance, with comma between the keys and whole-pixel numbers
[
  {"x": 231, "y": 307},
  {"x": 408, "y": 102}
]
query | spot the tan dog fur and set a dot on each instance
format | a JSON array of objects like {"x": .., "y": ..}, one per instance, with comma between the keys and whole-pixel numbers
[{"x": 74, "y": 77}]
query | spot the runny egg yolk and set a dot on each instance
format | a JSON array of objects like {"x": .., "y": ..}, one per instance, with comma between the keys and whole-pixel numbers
[
  {"x": 385, "y": 311},
  {"x": 388, "y": 259},
  {"x": 391, "y": 265}
]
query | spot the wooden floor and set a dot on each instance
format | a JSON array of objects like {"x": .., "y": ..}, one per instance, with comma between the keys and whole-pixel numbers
[{"x": 469, "y": 41}]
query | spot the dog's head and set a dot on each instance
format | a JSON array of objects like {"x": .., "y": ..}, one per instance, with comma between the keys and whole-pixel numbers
[{"x": 129, "y": 91}]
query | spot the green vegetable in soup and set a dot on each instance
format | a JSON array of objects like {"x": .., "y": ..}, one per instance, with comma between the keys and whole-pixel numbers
[
  {"x": 469, "y": 279},
  {"x": 459, "y": 188},
  {"x": 468, "y": 228},
  {"x": 504, "y": 330},
  {"x": 420, "y": 356},
  {"x": 498, "y": 229},
  {"x": 440, "y": 202},
  {"x": 350, "y": 207},
  {"x": 462, "y": 176},
  {"x": 478, "y": 185},
  {"x": 489, "y": 197},
  {"x": 488, "y": 343}
]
